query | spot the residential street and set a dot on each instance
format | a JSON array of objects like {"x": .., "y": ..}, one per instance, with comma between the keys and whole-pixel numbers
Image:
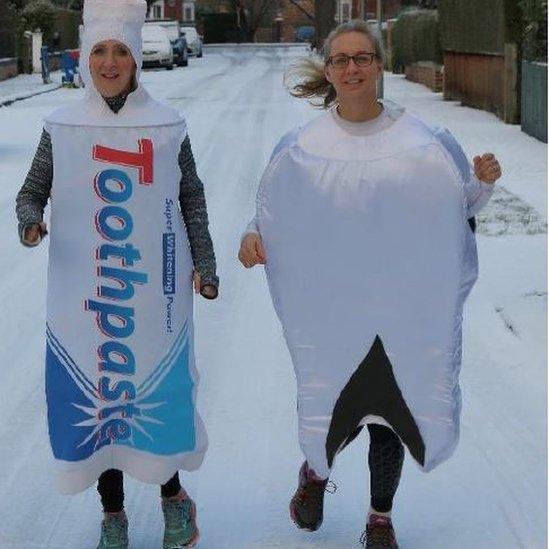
[{"x": 490, "y": 495}]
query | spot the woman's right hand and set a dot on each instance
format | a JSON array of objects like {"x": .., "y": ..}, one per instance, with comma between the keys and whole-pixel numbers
[
  {"x": 251, "y": 251},
  {"x": 35, "y": 232}
]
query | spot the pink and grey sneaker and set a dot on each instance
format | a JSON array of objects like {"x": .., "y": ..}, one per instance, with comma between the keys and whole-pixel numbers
[
  {"x": 307, "y": 505},
  {"x": 379, "y": 533}
]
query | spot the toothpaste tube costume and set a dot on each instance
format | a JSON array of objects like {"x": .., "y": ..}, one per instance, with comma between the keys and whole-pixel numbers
[
  {"x": 120, "y": 372},
  {"x": 369, "y": 261}
]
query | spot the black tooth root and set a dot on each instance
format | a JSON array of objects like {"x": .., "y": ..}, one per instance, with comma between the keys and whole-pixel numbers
[{"x": 373, "y": 390}]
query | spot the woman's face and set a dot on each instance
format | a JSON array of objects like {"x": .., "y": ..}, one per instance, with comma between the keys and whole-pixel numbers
[
  {"x": 112, "y": 68},
  {"x": 352, "y": 81}
]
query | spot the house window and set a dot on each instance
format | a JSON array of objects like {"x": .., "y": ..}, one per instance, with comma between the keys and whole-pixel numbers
[
  {"x": 345, "y": 12},
  {"x": 188, "y": 11},
  {"x": 157, "y": 10}
]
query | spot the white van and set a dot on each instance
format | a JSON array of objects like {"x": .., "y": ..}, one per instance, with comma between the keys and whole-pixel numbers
[{"x": 157, "y": 49}]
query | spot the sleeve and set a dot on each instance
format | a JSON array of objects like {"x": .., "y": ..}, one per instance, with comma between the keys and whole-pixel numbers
[
  {"x": 477, "y": 192},
  {"x": 35, "y": 192},
  {"x": 252, "y": 228},
  {"x": 253, "y": 225},
  {"x": 195, "y": 215}
]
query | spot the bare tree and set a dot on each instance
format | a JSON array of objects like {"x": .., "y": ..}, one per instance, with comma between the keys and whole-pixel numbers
[
  {"x": 325, "y": 11},
  {"x": 302, "y": 9}
]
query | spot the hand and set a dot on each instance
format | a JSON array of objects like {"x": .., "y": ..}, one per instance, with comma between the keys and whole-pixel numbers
[
  {"x": 208, "y": 290},
  {"x": 487, "y": 168},
  {"x": 251, "y": 251},
  {"x": 35, "y": 232}
]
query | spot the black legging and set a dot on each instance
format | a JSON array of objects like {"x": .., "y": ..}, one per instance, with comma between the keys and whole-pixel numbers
[
  {"x": 111, "y": 489},
  {"x": 385, "y": 459}
]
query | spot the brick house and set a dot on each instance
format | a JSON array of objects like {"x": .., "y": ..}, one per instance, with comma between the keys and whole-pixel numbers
[
  {"x": 180, "y": 10},
  {"x": 365, "y": 9},
  {"x": 283, "y": 21},
  {"x": 215, "y": 6}
]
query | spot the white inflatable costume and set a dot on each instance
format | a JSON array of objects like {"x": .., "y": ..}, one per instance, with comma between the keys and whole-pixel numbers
[
  {"x": 120, "y": 372},
  {"x": 369, "y": 261}
]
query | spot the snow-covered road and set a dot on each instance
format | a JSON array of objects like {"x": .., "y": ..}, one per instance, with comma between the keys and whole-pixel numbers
[{"x": 490, "y": 495}]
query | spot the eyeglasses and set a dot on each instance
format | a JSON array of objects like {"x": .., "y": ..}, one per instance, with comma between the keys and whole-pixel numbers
[{"x": 341, "y": 61}]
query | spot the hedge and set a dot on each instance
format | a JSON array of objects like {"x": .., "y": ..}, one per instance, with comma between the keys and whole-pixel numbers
[{"x": 416, "y": 37}]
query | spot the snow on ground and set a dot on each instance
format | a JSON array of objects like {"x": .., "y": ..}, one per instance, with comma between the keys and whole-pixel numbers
[
  {"x": 491, "y": 494},
  {"x": 26, "y": 85}
]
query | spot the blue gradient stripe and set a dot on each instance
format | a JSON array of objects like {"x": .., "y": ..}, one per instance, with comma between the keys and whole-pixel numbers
[
  {"x": 69, "y": 363},
  {"x": 166, "y": 363}
]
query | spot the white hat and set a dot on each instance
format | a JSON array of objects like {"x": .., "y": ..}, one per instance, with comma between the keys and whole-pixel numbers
[{"x": 120, "y": 20}]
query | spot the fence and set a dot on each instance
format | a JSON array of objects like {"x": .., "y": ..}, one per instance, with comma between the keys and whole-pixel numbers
[
  {"x": 474, "y": 79},
  {"x": 534, "y": 100},
  {"x": 427, "y": 73},
  {"x": 8, "y": 67},
  {"x": 481, "y": 42}
]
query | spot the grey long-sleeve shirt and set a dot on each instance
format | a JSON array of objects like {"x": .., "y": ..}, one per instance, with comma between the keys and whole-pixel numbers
[{"x": 35, "y": 192}]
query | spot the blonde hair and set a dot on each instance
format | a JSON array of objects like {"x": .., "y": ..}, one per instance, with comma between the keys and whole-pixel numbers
[{"x": 306, "y": 77}]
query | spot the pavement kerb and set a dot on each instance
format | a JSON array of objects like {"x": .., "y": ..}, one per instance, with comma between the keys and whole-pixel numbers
[{"x": 10, "y": 100}]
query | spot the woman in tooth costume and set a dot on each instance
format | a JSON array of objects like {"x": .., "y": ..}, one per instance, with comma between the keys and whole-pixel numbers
[
  {"x": 362, "y": 224},
  {"x": 120, "y": 373}
]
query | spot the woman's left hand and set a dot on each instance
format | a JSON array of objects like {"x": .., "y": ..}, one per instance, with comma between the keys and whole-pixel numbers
[
  {"x": 208, "y": 291},
  {"x": 487, "y": 168}
]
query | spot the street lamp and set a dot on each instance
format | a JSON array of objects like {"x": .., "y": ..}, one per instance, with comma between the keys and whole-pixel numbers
[{"x": 278, "y": 26}]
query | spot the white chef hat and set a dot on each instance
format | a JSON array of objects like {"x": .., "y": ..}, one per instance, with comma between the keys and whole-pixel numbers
[{"x": 120, "y": 20}]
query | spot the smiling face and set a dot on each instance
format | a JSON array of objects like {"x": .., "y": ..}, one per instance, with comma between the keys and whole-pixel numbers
[
  {"x": 112, "y": 68},
  {"x": 353, "y": 82}
]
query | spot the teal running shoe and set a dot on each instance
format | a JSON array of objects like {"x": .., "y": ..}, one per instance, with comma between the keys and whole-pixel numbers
[
  {"x": 114, "y": 531},
  {"x": 180, "y": 522}
]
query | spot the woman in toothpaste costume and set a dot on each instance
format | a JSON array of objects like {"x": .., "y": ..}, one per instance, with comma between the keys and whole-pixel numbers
[
  {"x": 362, "y": 224},
  {"x": 120, "y": 373}
]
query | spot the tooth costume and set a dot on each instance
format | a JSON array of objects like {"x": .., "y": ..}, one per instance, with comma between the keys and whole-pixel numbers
[
  {"x": 369, "y": 261},
  {"x": 120, "y": 371}
]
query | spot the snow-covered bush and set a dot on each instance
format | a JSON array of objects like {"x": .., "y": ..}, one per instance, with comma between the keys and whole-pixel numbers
[
  {"x": 416, "y": 37},
  {"x": 39, "y": 14}
]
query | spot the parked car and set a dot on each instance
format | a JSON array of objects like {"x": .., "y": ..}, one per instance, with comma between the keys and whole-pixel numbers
[
  {"x": 177, "y": 39},
  {"x": 157, "y": 50},
  {"x": 194, "y": 42},
  {"x": 305, "y": 34}
]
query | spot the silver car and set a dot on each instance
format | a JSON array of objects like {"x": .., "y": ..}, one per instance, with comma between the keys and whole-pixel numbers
[
  {"x": 194, "y": 42},
  {"x": 157, "y": 49}
]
